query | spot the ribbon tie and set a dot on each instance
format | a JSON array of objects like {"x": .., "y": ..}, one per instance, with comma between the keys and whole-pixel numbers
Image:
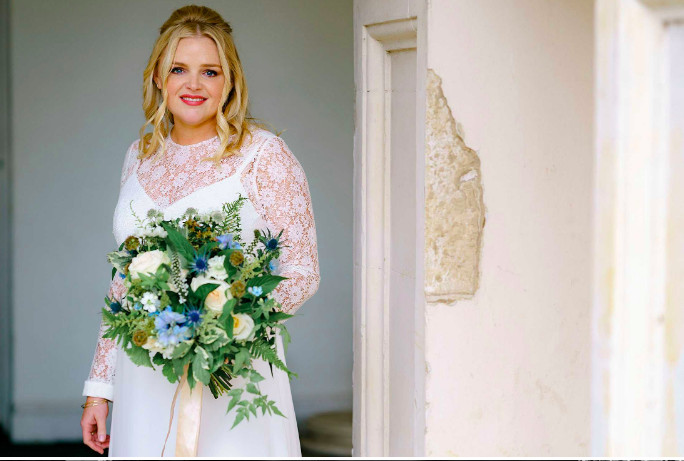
[{"x": 189, "y": 414}]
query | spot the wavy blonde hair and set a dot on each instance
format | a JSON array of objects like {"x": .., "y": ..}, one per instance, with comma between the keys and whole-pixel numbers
[{"x": 232, "y": 116}]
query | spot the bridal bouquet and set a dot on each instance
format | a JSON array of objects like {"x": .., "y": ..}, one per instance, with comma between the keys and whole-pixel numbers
[{"x": 198, "y": 303}]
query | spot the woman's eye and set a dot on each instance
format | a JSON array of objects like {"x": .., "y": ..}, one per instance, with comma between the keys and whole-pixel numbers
[
  {"x": 213, "y": 73},
  {"x": 174, "y": 69}
]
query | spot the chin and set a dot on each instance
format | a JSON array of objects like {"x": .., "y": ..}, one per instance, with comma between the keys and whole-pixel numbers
[{"x": 192, "y": 121}]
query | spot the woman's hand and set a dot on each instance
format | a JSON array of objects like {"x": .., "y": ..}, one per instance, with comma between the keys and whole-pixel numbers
[{"x": 94, "y": 425}]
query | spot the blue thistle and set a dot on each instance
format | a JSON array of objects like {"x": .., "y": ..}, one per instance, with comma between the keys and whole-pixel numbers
[
  {"x": 271, "y": 242},
  {"x": 115, "y": 307},
  {"x": 193, "y": 316},
  {"x": 200, "y": 264}
]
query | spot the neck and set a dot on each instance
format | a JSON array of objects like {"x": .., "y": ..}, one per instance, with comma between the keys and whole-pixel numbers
[{"x": 192, "y": 135}]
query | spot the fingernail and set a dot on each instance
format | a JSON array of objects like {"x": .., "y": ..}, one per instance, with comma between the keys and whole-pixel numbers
[{"x": 102, "y": 438}]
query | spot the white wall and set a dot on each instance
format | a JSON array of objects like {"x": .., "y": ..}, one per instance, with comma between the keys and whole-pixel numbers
[
  {"x": 508, "y": 372},
  {"x": 77, "y": 72}
]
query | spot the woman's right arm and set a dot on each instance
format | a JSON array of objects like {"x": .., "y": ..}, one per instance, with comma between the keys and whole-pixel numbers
[{"x": 100, "y": 382}]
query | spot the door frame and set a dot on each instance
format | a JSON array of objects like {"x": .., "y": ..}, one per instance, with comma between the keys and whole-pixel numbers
[
  {"x": 381, "y": 27},
  {"x": 631, "y": 222}
]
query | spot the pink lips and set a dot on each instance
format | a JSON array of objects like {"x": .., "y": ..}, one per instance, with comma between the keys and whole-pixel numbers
[{"x": 197, "y": 99}]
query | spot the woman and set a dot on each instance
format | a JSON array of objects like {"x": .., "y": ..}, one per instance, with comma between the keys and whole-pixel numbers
[{"x": 203, "y": 151}]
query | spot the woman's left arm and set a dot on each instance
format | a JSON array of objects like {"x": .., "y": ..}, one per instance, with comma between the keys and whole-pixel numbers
[{"x": 281, "y": 196}]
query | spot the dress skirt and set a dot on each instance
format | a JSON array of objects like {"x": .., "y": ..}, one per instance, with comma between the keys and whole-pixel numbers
[{"x": 141, "y": 412}]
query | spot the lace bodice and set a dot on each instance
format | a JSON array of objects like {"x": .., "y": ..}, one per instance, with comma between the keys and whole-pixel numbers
[{"x": 278, "y": 191}]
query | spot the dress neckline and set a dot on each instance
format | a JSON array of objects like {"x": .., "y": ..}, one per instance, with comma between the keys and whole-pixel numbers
[{"x": 177, "y": 146}]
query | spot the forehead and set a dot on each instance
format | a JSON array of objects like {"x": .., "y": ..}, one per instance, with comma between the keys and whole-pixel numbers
[{"x": 197, "y": 49}]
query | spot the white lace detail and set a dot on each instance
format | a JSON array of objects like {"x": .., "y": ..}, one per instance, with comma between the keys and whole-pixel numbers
[
  {"x": 102, "y": 371},
  {"x": 277, "y": 187},
  {"x": 280, "y": 192}
]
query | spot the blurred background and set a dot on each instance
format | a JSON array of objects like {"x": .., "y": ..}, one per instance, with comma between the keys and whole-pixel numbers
[{"x": 71, "y": 95}]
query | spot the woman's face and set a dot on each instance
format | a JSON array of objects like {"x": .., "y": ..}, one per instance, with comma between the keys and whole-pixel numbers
[{"x": 195, "y": 84}]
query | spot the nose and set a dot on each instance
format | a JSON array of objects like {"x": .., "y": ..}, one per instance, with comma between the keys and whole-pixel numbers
[{"x": 193, "y": 82}]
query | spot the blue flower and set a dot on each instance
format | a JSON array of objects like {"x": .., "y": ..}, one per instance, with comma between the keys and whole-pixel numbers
[
  {"x": 236, "y": 245},
  {"x": 137, "y": 306},
  {"x": 272, "y": 244},
  {"x": 200, "y": 264},
  {"x": 173, "y": 336},
  {"x": 225, "y": 241},
  {"x": 255, "y": 291},
  {"x": 193, "y": 316},
  {"x": 167, "y": 319},
  {"x": 115, "y": 307},
  {"x": 274, "y": 266},
  {"x": 122, "y": 275}
]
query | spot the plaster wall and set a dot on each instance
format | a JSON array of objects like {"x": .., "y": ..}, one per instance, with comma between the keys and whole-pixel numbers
[{"x": 508, "y": 368}]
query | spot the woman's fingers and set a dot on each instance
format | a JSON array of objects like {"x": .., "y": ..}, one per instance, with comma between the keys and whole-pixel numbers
[
  {"x": 101, "y": 420},
  {"x": 89, "y": 426}
]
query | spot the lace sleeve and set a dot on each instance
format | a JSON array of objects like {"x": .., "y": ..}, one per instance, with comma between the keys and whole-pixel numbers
[
  {"x": 281, "y": 195},
  {"x": 100, "y": 382}
]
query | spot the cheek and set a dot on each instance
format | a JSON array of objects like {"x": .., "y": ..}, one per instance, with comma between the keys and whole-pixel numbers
[
  {"x": 216, "y": 87},
  {"x": 173, "y": 85}
]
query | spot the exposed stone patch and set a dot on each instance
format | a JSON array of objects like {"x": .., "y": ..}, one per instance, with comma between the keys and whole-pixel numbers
[{"x": 454, "y": 207}]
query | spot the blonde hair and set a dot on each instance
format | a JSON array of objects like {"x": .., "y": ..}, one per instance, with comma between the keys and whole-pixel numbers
[{"x": 232, "y": 116}]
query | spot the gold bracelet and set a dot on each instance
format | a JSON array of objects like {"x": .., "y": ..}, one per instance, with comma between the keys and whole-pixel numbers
[
  {"x": 91, "y": 404},
  {"x": 94, "y": 403}
]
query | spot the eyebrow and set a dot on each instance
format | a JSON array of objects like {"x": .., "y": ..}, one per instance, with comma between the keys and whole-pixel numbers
[{"x": 203, "y": 65}]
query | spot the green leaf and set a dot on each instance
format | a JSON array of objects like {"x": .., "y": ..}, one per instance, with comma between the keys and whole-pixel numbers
[
  {"x": 232, "y": 403},
  {"x": 278, "y": 316},
  {"x": 256, "y": 377},
  {"x": 139, "y": 356},
  {"x": 204, "y": 290},
  {"x": 229, "y": 305},
  {"x": 181, "y": 350},
  {"x": 241, "y": 358},
  {"x": 276, "y": 411},
  {"x": 207, "y": 246},
  {"x": 179, "y": 243},
  {"x": 191, "y": 380},
  {"x": 285, "y": 336},
  {"x": 267, "y": 282},
  {"x": 159, "y": 360},
  {"x": 169, "y": 372},
  {"x": 200, "y": 365},
  {"x": 238, "y": 419},
  {"x": 252, "y": 389}
]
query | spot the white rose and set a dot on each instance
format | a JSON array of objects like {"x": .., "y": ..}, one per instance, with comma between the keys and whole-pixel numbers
[
  {"x": 147, "y": 262},
  {"x": 216, "y": 269},
  {"x": 217, "y": 298},
  {"x": 243, "y": 327}
]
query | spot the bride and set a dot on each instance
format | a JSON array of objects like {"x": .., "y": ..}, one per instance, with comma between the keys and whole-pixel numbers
[{"x": 203, "y": 151}]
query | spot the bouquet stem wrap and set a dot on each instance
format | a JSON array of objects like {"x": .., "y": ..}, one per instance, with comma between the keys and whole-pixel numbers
[{"x": 189, "y": 415}]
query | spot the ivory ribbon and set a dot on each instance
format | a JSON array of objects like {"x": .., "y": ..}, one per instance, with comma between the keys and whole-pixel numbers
[{"x": 189, "y": 414}]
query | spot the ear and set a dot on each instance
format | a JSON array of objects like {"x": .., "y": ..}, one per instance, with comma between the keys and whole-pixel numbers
[{"x": 157, "y": 81}]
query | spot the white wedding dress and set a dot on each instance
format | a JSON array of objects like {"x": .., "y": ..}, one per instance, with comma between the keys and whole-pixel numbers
[{"x": 270, "y": 176}]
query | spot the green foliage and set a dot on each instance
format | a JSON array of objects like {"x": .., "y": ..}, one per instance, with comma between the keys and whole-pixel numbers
[
  {"x": 200, "y": 365},
  {"x": 267, "y": 282},
  {"x": 139, "y": 356},
  {"x": 179, "y": 243},
  {"x": 264, "y": 351}
]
